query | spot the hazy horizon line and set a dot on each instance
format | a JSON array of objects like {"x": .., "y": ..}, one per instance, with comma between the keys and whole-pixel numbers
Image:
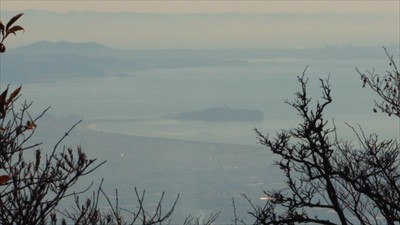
[
  {"x": 201, "y": 13},
  {"x": 206, "y": 48},
  {"x": 133, "y": 30}
]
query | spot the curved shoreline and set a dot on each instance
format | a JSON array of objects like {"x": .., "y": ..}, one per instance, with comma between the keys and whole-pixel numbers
[{"x": 180, "y": 135}]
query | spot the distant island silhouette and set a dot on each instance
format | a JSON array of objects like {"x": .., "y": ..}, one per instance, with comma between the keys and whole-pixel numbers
[{"x": 219, "y": 114}]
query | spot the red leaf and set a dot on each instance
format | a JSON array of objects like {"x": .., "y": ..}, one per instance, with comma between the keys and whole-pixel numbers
[
  {"x": 13, "y": 95},
  {"x": 2, "y": 28},
  {"x": 3, "y": 104},
  {"x": 4, "y": 179},
  {"x": 2, "y": 48},
  {"x": 14, "y": 29},
  {"x": 12, "y": 20},
  {"x": 30, "y": 125}
]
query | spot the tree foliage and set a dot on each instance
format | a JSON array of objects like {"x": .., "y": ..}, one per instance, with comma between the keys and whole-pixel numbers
[
  {"x": 387, "y": 87},
  {"x": 331, "y": 180},
  {"x": 32, "y": 183},
  {"x": 9, "y": 29}
]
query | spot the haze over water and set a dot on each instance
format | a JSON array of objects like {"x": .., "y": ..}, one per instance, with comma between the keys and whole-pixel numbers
[{"x": 117, "y": 91}]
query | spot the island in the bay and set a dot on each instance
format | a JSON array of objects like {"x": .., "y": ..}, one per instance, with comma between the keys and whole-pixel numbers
[{"x": 219, "y": 114}]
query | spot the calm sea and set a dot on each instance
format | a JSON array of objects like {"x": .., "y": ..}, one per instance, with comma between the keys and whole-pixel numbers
[
  {"x": 135, "y": 104},
  {"x": 206, "y": 175}
]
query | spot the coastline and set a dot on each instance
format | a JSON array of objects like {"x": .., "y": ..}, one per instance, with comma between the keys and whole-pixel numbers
[{"x": 231, "y": 133}]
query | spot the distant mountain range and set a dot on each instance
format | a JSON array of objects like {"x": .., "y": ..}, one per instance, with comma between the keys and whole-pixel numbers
[{"x": 46, "y": 61}]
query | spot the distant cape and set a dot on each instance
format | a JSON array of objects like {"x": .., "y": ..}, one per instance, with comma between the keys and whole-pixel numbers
[{"x": 219, "y": 114}]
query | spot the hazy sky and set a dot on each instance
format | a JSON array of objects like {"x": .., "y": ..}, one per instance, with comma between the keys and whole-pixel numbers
[
  {"x": 210, "y": 24},
  {"x": 211, "y": 6}
]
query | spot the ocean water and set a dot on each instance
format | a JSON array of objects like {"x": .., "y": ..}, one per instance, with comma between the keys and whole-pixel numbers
[
  {"x": 208, "y": 163},
  {"x": 135, "y": 104}
]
